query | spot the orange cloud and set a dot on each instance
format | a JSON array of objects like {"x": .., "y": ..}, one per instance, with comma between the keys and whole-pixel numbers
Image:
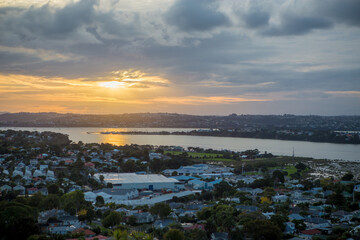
[
  {"x": 344, "y": 92},
  {"x": 194, "y": 100}
]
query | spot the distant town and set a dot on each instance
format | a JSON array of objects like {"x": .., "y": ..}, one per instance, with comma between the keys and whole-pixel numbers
[
  {"x": 52, "y": 188},
  {"x": 331, "y": 129},
  {"x": 173, "y": 120}
]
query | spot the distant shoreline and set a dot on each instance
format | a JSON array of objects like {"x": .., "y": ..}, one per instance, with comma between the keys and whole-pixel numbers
[{"x": 215, "y": 134}]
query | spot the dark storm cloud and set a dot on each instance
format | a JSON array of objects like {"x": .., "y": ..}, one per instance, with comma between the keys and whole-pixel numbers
[
  {"x": 256, "y": 18},
  {"x": 199, "y": 15},
  {"x": 345, "y": 11},
  {"x": 204, "y": 59},
  {"x": 47, "y": 22},
  {"x": 299, "y": 18},
  {"x": 297, "y": 25}
]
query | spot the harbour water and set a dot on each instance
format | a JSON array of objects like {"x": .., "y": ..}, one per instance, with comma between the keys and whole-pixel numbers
[{"x": 349, "y": 152}]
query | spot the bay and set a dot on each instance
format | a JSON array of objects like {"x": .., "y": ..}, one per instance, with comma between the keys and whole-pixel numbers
[{"x": 332, "y": 151}]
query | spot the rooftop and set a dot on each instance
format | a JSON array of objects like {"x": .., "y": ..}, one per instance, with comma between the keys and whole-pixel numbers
[{"x": 121, "y": 178}]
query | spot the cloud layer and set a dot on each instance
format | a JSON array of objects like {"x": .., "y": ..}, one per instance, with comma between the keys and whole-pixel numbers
[{"x": 252, "y": 56}]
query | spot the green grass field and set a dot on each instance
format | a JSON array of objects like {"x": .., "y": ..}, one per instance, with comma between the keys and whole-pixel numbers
[
  {"x": 290, "y": 169},
  {"x": 218, "y": 159},
  {"x": 252, "y": 173},
  {"x": 194, "y": 154}
]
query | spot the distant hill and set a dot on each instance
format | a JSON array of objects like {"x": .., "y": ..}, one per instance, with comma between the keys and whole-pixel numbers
[{"x": 173, "y": 120}]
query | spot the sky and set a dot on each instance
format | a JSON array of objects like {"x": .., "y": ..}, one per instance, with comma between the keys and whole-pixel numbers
[{"x": 196, "y": 57}]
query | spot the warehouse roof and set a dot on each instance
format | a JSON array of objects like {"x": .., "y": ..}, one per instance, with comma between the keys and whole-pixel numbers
[{"x": 123, "y": 178}]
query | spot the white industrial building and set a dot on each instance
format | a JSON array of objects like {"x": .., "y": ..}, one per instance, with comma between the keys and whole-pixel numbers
[
  {"x": 112, "y": 195},
  {"x": 140, "y": 181}
]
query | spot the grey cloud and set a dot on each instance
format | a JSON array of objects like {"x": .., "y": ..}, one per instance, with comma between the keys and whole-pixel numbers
[
  {"x": 345, "y": 11},
  {"x": 199, "y": 15},
  {"x": 297, "y": 25},
  {"x": 226, "y": 57},
  {"x": 5, "y": 10},
  {"x": 256, "y": 18},
  {"x": 300, "y": 18},
  {"x": 329, "y": 80},
  {"x": 50, "y": 23}
]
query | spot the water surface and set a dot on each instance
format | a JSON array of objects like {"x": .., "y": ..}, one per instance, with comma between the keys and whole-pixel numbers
[{"x": 278, "y": 147}]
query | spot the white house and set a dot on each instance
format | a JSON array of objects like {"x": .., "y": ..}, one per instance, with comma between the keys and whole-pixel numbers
[
  {"x": 153, "y": 155},
  {"x": 28, "y": 173},
  {"x": 20, "y": 188},
  {"x": 17, "y": 173},
  {"x": 280, "y": 198},
  {"x": 34, "y": 162},
  {"x": 43, "y": 167},
  {"x": 112, "y": 195},
  {"x": 90, "y": 197},
  {"x": 5, "y": 188},
  {"x": 38, "y": 173},
  {"x": 197, "y": 184},
  {"x": 290, "y": 228},
  {"x": 50, "y": 174}
]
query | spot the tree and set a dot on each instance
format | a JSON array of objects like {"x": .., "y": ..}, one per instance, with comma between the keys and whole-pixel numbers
[
  {"x": 300, "y": 166},
  {"x": 53, "y": 189},
  {"x": 114, "y": 218},
  {"x": 279, "y": 175},
  {"x": 36, "y": 199},
  {"x": 129, "y": 166},
  {"x": 262, "y": 229},
  {"x": 223, "y": 189},
  {"x": 90, "y": 214},
  {"x": 17, "y": 221},
  {"x": 174, "y": 234},
  {"x": 260, "y": 183},
  {"x": 140, "y": 236},
  {"x": 124, "y": 235},
  {"x": 156, "y": 165},
  {"x": 132, "y": 220},
  {"x": 82, "y": 215},
  {"x": 279, "y": 221},
  {"x": 223, "y": 216},
  {"x": 161, "y": 209},
  {"x": 265, "y": 200},
  {"x": 74, "y": 201},
  {"x": 204, "y": 213},
  {"x": 101, "y": 177},
  {"x": 99, "y": 201},
  {"x": 299, "y": 224},
  {"x": 336, "y": 199},
  {"x": 347, "y": 177},
  {"x": 218, "y": 217},
  {"x": 50, "y": 202},
  {"x": 120, "y": 234},
  {"x": 197, "y": 234},
  {"x": 269, "y": 192}
]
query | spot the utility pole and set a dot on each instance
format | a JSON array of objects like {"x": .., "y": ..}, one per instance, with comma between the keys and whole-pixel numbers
[{"x": 293, "y": 155}]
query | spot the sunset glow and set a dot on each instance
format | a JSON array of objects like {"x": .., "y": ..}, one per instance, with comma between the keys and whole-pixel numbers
[
  {"x": 112, "y": 84},
  {"x": 158, "y": 56}
]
